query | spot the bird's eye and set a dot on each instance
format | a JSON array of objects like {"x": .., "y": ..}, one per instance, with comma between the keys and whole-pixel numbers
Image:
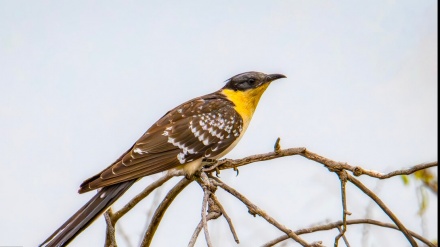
[{"x": 251, "y": 81}]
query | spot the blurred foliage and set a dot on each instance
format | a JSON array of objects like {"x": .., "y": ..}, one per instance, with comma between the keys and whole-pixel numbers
[{"x": 425, "y": 179}]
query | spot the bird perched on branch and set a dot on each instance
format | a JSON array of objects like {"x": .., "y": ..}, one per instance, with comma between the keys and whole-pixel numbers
[{"x": 206, "y": 127}]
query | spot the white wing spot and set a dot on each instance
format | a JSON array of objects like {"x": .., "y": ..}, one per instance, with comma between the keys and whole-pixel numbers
[
  {"x": 181, "y": 158},
  {"x": 206, "y": 142},
  {"x": 103, "y": 195},
  {"x": 197, "y": 133},
  {"x": 139, "y": 151},
  {"x": 212, "y": 131},
  {"x": 182, "y": 147},
  {"x": 201, "y": 137}
]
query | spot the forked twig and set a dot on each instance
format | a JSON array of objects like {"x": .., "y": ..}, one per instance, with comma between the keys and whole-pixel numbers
[
  {"x": 160, "y": 211},
  {"x": 343, "y": 178},
  {"x": 254, "y": 210},
  {"x": 383, "y": 207},
  {"x": 215, "y": 209},
  {"x": 206, "y": 194},
  {"x": 334, "y": 225},
  {"x": 228, "y": 219},
  {"x": 110, "y": 234},
  {"x": 210, "y": 216},
  {"x": 139, "y": 197}
]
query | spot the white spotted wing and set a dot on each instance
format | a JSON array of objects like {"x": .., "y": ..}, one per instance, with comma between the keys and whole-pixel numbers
[{"x": 201, "y": 128}]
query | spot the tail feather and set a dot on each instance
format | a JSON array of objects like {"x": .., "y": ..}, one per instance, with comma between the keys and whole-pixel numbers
[{"x": 87, "y": 214}]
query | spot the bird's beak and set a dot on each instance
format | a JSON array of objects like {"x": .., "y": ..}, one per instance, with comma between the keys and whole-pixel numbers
[{"x": 274, "y": 77}]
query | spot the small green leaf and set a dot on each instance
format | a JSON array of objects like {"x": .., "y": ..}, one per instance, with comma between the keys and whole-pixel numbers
[
  {"x": 424, "y": 175},
  {"x": 405, "y": 179}
]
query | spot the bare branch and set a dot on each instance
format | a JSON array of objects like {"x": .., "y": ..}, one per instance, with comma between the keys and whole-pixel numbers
[
  {"x": 368, "y": 214},
  {"x": 384, "y": 208},
  {"x": 110, "y": 235},
  {"x": 149, "y": 213},
  {"x": 408, "y": 171},
  {"x": 330, "y": 164},
  {"x": 333, "y": 225},
  {"x": 343, "y": 235},
  {"x": 213, "y": 211},
  {"x": 150, "y": 188},
  {"x": 208, "y": 190},
  {"x": 212, "y": 201},
  {"x": 210, "y": 216},
  {"x": 206, "y": 194},
  {"x": 160, "y": 211},
  {"x": 357, "y": 170},
  {"x": 254, "y": 210},
  {"x": 343, "y": 178},
  {"x": 228, "y": 163},
  {"x": 228, "y": 219}
]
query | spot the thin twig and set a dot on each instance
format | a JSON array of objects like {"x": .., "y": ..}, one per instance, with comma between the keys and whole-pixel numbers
[
  {"x": 333, "y": 225},
  {"x": 254, "y": 210},
  {"x": 110, "y": 235},
  {"x": 383, "y": 207},
  {"x": 210, "y": 216},
  {"x": 228, "y": 219},
  {"x": 368, "y": 214},
  {"x": 333, "y": 166},
  {"x": 228, "y": 163},
  {"x": 343, "y": 178},
  {"x": 160, "y": 211},
  {"x": 214, "y": 211},
  {"x": 204, "y": 182},
  {"x": 139, "y": 197},
  {"x": 149, "y": 214},
  {"x": 356, "y": 170},
  {"x": 277, "y": 146},
  {"x": 408, "y": 171},
  {"x": 343, "y": 235},
  {"x": 206, "y": 194}
]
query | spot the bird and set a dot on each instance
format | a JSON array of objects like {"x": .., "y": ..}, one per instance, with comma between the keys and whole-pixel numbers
[{"x": 204, "y": 128}]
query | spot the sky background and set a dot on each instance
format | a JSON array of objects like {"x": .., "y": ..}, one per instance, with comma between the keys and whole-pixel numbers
[{"x": 80, "y": 81}]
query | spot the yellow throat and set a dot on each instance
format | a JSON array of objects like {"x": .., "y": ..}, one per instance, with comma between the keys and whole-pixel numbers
[{"x": 245, "y": 101}]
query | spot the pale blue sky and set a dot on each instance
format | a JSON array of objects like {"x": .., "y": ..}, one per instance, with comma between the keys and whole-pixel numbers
[{"x": 81, "y": 81}]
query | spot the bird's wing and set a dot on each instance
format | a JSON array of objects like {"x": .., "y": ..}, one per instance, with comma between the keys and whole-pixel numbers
[{"x": 200, "y": 128}]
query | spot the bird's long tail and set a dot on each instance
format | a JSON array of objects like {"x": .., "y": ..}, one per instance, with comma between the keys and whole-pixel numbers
[{"x": 87, "y": 214}]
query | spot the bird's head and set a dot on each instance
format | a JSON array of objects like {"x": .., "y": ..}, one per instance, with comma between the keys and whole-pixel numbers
[
  {"x": 251, "y": 80},
  {"x": 245, "y": 90}
]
